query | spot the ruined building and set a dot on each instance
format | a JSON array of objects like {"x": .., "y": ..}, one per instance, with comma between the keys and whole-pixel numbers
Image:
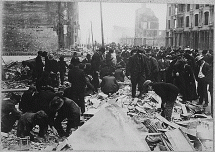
[
  {"x": 37, "y": 25},
  {"x": 190, "y": 25},
  {"x": 147, "y": 28}
]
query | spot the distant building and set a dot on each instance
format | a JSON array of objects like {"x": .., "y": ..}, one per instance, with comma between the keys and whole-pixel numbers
[
  {"x": 146, "y": 27},
  {"x": 123, "y": 35},
  {"x": 190, "y": 25},
  {"x": 34, "y": 25},
  {"x": 127, "y": 41}
]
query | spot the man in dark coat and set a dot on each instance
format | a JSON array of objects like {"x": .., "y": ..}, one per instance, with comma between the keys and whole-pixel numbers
[
  {"x": 207, "y": 57},
  {"x": 66, "y": 108},
  {"x": 168, "y": 93},
  {"x": 95, "y": 65},
  {"x": 27, "y": 70},
  {"x": 209, "y": 80},
  {"x": 27, "y": 99},
  {"x": 154, "y": 68},
  {"x": 87, "y": 59},
  {"x": 53, "y": 69},
  {"x": 109, "y": 84},
  {"x": 138, "y": 69},
  {"x": 119, "y": 74},
  {"x": 9, "y": 113},
  {"x": 163, "y": 65},
  {"x": 190, "y": 59},
  {"x": 184, "y": 80},
  {"x": 62, "y": 69},
  {"x": 125, "y": 55},
  {"x": 201, "y": 72},
  {"x": 76, "y": 77},
  {"x": 30, "y": 120},
  {"x": 39, "y": 65},
  {"x": 44, "y": 82}
]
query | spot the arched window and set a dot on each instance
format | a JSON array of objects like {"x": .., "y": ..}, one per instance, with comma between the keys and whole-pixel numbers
[
  {"x": 187, "y": 21},
  {"x": 196, "y": 19},
  {"x": 206, "y": 17}
]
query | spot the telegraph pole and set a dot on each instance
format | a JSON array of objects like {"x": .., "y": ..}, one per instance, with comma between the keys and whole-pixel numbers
[
  {"x": 92, "y": 35},
  {"x": 102, "y": 24},
  {"x": 60, "y": 28}
]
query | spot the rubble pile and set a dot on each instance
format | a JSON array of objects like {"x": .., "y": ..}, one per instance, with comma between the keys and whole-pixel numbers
[
  {"x": 161, "y": 134},
  {"x": 189, "y": 130},
  {"x": 11, "y": 142}
]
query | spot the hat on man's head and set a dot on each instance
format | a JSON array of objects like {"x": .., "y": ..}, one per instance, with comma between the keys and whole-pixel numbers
[
  {"x": 40, "y": 52},
  {"x": 147, "y": 82},
  {"x": 51, "y": 56},
  {"x": 33, "y": 88},
  {"x": 198, "y": 58},
  {"x": 102, "y": 49},
  {"x": 16, "y": 97},
  {"x": 76, "y": 61},
  {"x": 56, "y": 103}
]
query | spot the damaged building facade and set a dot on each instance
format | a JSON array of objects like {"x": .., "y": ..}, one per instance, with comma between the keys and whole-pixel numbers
[
  {"x": 190, "y": 25},
  {"x": 33, "y": 25},
  {"x": 147, "y": 28}
]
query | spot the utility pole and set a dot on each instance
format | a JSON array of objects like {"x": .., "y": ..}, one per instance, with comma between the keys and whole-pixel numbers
[
  {"x": 60, "y": 28},
  {"x": 102, "y": 24},
  {"x": 92, "y": 35}
]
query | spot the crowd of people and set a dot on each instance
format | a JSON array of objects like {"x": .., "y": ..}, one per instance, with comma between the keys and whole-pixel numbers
[{"x": 168, "y": 72}]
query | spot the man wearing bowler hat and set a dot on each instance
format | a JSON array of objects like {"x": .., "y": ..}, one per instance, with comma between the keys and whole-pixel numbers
[
  {"x": 66, "y": 108},
  {"x": 200, "y": 73},
  {"x": 168, "y": 93},
  {"x": 76, "y": 77}
]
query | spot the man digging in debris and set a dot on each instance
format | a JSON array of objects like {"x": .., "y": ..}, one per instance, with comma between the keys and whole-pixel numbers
[
  {"x": 30, "y": 120},
  {"x": 9, "y": 113},
  {"x": 66, "y": 108},
  {"x": 168, "y": 93}
]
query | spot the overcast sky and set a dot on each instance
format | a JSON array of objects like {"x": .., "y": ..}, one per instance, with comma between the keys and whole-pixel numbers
[{"x": 119, "y": 14}]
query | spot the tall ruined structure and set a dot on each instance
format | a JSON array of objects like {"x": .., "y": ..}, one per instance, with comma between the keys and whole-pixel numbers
[
  {"x": 37, "y": 25},
  {"x": 147, "y": 27}
]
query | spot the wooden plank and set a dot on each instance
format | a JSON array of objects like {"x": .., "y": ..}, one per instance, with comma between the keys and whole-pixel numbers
[
  {"x": 163, "y": 130},
  {"x": 174, "y": 125},
  {"x": 178, "y": 141},
  {"x": 153, "y": 134},
  {"x": 166, "y": 121},
  {"x": 13, "y": 90},
  {"x": 184, "y": 109},
  {"x": 186, "y": 122},
  {"x": 63, "y": 144}
]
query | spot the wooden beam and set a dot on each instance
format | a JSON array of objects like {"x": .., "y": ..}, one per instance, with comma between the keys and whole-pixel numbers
[
  {"x": 174, "y": 125},
  {"x": 13, "y": 90},
  {"x": 179, "y": 141}
]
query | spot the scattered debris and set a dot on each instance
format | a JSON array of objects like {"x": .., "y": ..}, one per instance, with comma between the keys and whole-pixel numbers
[{"x": 189, "y": 130}]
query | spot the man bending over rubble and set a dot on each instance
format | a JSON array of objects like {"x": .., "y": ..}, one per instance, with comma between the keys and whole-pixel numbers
[
  {"x": 168, "y": 93},
  {"x": 66, "y": 108},
  {"x": 9, "y": 113},
  {"x": 30, "y": 120}
]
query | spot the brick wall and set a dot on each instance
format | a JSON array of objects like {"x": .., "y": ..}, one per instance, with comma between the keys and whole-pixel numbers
[{"x": 28, "y": 26}]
